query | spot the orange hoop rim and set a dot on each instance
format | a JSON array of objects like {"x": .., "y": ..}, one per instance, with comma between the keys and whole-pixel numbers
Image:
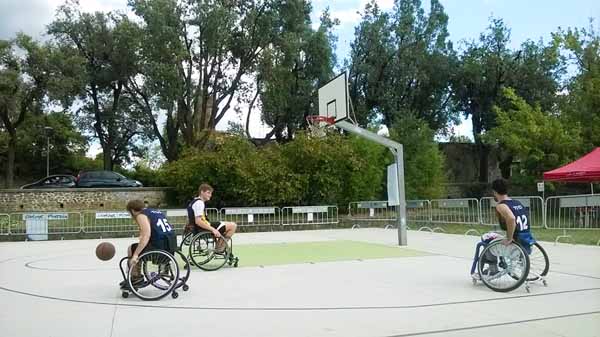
[{"x": 318, "y": 119}]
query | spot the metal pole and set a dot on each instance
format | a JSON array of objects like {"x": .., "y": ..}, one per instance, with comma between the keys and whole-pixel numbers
[
  {"x": 47, "y": 155},
  {"x": 401, "y": 220}
]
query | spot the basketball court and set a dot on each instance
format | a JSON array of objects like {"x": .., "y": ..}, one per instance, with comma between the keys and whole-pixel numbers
[{"x": 332, "y": 283}]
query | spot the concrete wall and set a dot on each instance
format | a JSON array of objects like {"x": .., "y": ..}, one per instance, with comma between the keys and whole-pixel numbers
[{"x": 75, "y": 199}]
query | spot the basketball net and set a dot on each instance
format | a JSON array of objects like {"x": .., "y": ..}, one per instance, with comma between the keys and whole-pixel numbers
[{"x": 317, "y": 125}]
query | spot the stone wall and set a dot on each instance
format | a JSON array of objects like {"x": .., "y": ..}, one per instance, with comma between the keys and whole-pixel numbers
[{"x": 76, "y": 199}]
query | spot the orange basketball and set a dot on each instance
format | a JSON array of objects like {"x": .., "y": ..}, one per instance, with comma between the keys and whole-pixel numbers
[{"x": 105, "y": 251}]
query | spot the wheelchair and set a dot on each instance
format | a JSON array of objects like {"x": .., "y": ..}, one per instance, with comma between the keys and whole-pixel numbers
[
  {"x": 160, "y": 275},
  {"x": 201, "y": 247},
  {"x": 504, "y": 268}
]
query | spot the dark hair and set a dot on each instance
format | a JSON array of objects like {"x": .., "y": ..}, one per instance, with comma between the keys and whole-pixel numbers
[
  {"x": 500, "y": 186},
  {"x": 135, "y": 205},
  {"x": 205, "y": 187}
]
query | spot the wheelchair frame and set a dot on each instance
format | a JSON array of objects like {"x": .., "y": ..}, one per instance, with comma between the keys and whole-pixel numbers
[
  {"x": 201, "y": 251},
  {"x": 165, "y": 284}
]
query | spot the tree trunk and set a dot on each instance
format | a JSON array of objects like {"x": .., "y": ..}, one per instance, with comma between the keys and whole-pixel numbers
[
  {"x": 10, "y": 165},
  {"x": 505, "y": 167},
  {"x": 108, "y": 162}
]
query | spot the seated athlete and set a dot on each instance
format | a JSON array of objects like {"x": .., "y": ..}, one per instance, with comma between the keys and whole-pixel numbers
[
  {"x": 513, "y": 217},
  {"x": 155, "y": 233},
  {"x": 197, "y": 219}
]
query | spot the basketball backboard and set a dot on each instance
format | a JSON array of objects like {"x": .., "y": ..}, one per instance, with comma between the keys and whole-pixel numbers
[{"x": 333, "y": 98}]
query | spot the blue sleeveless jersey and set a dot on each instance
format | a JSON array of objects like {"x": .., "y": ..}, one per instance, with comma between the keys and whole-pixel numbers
[
  {"x": 160, "y": 228},
  {"x": 522, "y": 232}
]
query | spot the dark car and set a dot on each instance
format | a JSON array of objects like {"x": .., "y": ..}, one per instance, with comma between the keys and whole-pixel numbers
[
  {"x": 53, "y": 181},
  {"x": 105, "y": 179}
]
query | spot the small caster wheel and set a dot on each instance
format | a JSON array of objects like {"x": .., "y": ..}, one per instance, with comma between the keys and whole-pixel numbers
[
  {"x": 544, "y": 283},
  {"x": 527, "y": 289},
  {"x": 185, "y": 287},
  {"x": 174, "y": 294},
  {"x": 125, "y": 294}
]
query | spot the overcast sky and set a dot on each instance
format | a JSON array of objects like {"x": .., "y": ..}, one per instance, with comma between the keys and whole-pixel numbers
[{"x": 527, "y": 19}]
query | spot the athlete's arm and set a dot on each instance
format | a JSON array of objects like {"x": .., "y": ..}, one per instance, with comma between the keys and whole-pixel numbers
[
  {"x": 145, "y": 231},
  {"x": 509, "y": 220}
]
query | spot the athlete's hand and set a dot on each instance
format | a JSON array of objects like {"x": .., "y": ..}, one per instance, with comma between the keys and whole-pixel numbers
[{"x": 216, "y": 233}]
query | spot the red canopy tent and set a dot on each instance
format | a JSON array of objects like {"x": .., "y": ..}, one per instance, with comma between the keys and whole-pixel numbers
[{"x": 584, "y": 170}]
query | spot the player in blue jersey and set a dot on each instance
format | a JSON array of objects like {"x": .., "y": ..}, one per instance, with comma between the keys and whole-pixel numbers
[
  {"x": 513, "y": 217},
  {"x": 155, "y": 233},
  {"x": 197, "y": 219}
]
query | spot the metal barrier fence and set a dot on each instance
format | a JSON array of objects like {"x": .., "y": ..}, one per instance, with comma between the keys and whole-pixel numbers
[
  {"x": 573, "y": 212},
  {"x": 367, "y": 211},
  {"x": 534, "y": 204},
  {"x": 178, "y": 218},
  {"x": 4, "y": 224},
  {"x": 418, "y": 212},
  {"x": 265, "y": 217},
  {"x": 37, "y": 226},
  {"x": 108, "y": 222},
  {"x": 309, "y": 215},
  {"x": 455, "y": 211}
]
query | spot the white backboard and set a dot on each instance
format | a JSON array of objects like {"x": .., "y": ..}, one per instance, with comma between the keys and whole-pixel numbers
[{"x": 333, "y": 98}]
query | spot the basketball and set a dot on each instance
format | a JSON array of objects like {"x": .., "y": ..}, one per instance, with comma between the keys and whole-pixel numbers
[{"x": 105, "y": 251}]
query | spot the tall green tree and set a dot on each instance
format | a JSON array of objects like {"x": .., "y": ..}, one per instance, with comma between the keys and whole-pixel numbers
[
  {"x": 581, "y": 104},
  {"x": 540, "y": 139},
  {"x": 107, "y": 43},
  {"x": 292, "y": 68},
  {"x": 31, "y": 76},
  {"x": 487, "y": 66},
  {"x": 401, "y": 63},
  {"x": 197, "y": 56}
]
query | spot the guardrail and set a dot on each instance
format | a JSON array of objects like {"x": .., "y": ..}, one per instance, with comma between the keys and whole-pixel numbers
[
  {"x": 263, "y": 217},
  {"x": 309, "y": 215}
]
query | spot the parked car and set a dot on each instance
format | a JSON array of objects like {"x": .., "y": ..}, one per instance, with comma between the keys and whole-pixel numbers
[
  {"x": 105, "y": 179},
  {"x": 53, "y": 181}
]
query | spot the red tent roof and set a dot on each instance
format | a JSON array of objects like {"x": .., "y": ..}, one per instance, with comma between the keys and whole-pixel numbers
[{"x": 584, "y": 169}]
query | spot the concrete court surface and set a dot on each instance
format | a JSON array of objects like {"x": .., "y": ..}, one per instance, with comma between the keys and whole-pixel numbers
[{"x": 59, "y": 289}]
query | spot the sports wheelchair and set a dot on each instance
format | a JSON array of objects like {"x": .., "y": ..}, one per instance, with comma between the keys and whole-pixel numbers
[
  {"x": 160, "y": 275},
  {"x": 201, "y": 247},
  {"x": 504, "y": 268}
]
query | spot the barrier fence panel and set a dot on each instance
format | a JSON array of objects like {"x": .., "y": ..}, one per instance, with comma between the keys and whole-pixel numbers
[
  {"x": 458, "y": 211},
  {"x": 263, "y": 217},
  {"x": 534, "y": 204},
  {"x": 178, "y": 218},
  {"x": 573, "y": 212},
  {"x": 4, "y": 224},
  {"x": 418, "y": 212},
  {"x": 37, "y": 226},
  {"x": 109, "y": 222},
  {"x": 309, "y": 215},
  {"x": 367, "y": 211}
]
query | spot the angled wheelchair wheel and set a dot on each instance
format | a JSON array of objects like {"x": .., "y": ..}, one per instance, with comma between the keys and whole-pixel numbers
[
  {"x": 186, "y": 240},
  {"x": 503, "y": 268},
  {"x": 160, "y": 275},
  {"x": 184, "y": 274},
  {"x": 203, "y": 254},
  {"x": 538, "y": 262}
]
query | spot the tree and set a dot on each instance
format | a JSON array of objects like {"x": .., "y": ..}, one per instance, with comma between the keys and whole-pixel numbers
[
  {"x": 581, "y": 105},
  {"x": 30, "y": 79},
  {"x": 541, "y": 140},
  {"x": 196, "y": 57},
  {"x": 107, "y": 44},
  {"x": 401, "y": 64},
  {"x": 423, "y": 161},
  {"x": 292, "y": 68},
  {"x": 488, "y": 66}
]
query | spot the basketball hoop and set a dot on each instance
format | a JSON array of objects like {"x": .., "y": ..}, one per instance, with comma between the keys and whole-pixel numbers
[{"x": 317, "y": 125}]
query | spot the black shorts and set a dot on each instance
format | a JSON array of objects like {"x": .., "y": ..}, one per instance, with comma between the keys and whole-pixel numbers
[
  {"x": 169, "y": 244},
  {"x": 218, "y": 225}
]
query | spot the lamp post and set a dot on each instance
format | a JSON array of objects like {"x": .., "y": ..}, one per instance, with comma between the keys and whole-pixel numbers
[{"x": 48, "y": 130}]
